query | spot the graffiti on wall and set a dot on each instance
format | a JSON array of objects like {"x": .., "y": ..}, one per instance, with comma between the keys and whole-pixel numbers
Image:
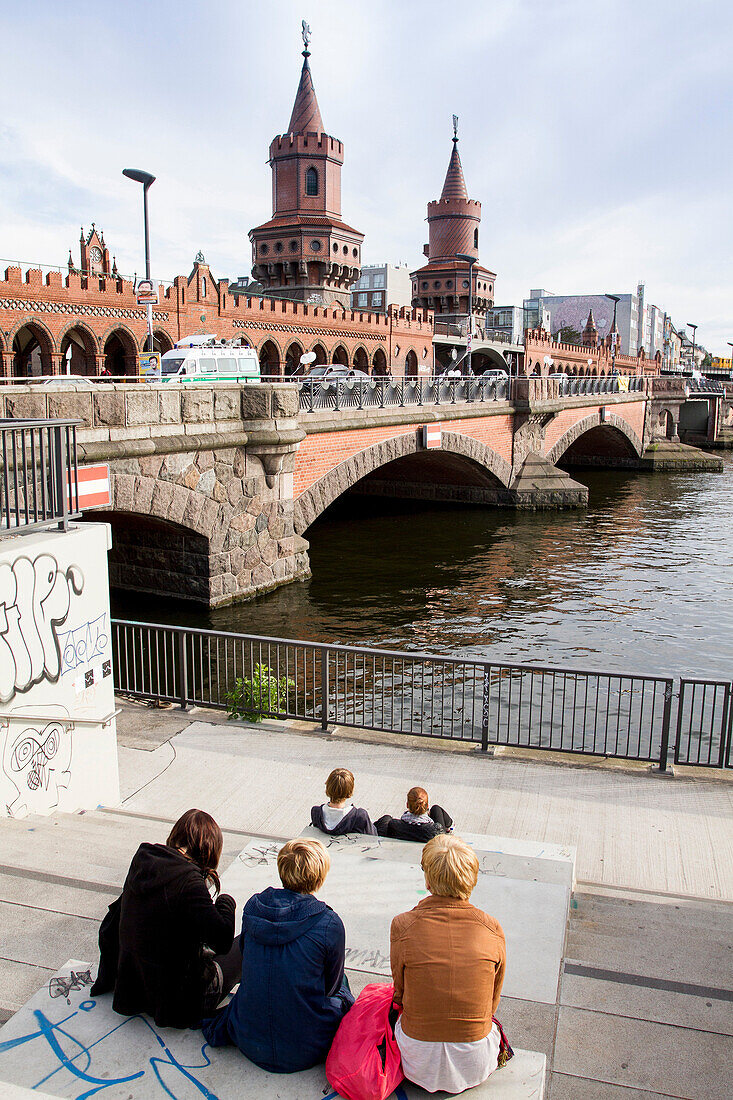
[
  {"x": 35, "y": 598},
  {"x": 36, "y": 761}
]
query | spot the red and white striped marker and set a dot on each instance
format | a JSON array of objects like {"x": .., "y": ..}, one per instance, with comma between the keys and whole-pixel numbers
[
  {"x": 93, "y": 484},
  {"x": 431, "y": 436}
]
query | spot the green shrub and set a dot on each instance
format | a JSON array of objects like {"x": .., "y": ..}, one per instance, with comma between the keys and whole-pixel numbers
[{"x": 262, "y": 693}]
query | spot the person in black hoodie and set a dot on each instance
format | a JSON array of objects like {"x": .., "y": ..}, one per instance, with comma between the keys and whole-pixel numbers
[
  {"x": 165, "y": 945},
  {"x": 293, "y": 992},
  {"x": 417, "y": 822},
  {"x": 339, "y": 815}
]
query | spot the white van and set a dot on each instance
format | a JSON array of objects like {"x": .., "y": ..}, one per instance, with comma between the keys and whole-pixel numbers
[{"x": 206, "y": 359}]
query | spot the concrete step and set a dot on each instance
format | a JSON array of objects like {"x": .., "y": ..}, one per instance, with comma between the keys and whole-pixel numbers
[{"x": 134, "y": 1058}]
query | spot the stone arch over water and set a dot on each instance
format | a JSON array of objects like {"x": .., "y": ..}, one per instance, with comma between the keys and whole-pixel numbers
[{"x": 476, "y": 462}]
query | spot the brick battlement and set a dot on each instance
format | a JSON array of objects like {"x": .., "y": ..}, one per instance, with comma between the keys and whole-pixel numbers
[
  {"x": 91, "y": 287},
  {"x": 454, "y": 207},
  {"x": 286, "y": 144}
]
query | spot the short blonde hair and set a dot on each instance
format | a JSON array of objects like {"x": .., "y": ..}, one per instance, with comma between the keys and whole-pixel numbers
[
  {"x": 303, "y": 865},
  {"x": 417, "y": 801},
  {"x": 450, "y": 866},
  {"x": 340, "y": 784}
]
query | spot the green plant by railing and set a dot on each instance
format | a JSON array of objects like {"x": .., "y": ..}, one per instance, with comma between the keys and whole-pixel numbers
[{"x": 256, "y": 697}]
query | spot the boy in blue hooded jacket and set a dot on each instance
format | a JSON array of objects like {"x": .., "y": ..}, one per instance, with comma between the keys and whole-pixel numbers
[{"x": 293, "y": 993}]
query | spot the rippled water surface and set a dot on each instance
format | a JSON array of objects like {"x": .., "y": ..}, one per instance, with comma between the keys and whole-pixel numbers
[{"x": 641, "y": 581}]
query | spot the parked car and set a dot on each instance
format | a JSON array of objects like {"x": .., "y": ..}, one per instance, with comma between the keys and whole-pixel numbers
[{"x": 496, "y": 375}]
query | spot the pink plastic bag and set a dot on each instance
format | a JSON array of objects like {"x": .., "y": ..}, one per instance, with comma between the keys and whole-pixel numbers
[{"x": 364, "y": 1060}]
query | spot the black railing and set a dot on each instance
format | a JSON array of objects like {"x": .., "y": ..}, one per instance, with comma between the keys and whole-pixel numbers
[
  {"x": 705, "y": 724},
  {"x": 334, "y": 394},
  {"x": 380, "y": 393},
  {"x": 484, "y": 702},
  {"x": 39, "y": 485}
]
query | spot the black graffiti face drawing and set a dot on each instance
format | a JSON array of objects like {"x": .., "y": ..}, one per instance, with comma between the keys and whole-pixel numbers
[
  {"x": 35, "y": 597},
  {"x": 38, "y": 763}
]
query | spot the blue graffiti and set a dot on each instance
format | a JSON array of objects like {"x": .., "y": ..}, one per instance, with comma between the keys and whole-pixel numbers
[{"x": 50, "y": 1032}]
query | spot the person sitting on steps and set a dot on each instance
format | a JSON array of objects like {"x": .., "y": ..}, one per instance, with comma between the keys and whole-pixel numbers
[
  {"x": 417, "y": 822},
  {"x": 293, "y": 991},
  {"x": 166, "y": 948},
  {"x": 339, "y": 815}
]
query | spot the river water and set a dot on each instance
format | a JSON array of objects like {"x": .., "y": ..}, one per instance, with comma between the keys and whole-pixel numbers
[{"x": 641, "y": 581}]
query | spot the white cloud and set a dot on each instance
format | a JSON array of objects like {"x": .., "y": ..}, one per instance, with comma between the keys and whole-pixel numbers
[{"x": 597, "y": 138}]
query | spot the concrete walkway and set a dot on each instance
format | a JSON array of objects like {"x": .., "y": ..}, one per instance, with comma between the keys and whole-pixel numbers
[{"x": 644, "y": 1002}]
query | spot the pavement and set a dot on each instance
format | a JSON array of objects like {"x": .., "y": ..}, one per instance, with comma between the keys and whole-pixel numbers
[{"x": 644, "y": 1001}]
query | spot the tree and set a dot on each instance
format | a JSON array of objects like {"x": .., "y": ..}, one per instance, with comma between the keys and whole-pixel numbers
[
  {"x": 569, "y": 335},
  {"x": 707, "y": 361}
]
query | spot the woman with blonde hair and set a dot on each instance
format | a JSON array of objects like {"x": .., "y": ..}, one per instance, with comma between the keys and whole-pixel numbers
[
  {"x": 293, "y": 992},
  {"x": 448, "y": 961}
]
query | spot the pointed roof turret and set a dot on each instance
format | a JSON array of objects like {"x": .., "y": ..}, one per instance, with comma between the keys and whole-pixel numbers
[
  {"x": 306, "y": 116},
  {"x": 455, "y": 185}
]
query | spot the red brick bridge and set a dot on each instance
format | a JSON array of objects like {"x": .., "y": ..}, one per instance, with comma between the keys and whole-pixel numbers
[{"x": 214, "y": 486}]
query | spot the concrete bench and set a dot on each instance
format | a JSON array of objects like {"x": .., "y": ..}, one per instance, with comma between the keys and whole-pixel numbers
[
  {"x": 372, "y": 879},
  {"x": 63, "y": 1043}
]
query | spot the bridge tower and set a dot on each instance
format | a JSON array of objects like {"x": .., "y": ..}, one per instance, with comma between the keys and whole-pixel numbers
[
  {"x": 453, "y": 220},
  {"x": 305, "y": 252}
]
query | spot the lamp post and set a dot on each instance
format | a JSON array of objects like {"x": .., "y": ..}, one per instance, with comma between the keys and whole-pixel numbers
[
  {"x": 614, "y": 334},
  {"x": 730, "y": 345},
  {"x": 694, "y": 334},
  {"x": 146, "y": 180},
  {"x": 470, "y": 260}
]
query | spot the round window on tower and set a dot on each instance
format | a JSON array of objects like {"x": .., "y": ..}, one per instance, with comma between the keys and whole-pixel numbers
[
  {"x": 315, "y": 246},
  {"x": 356, "y": 253},
  {"x": 436, "y": 284},
  {"x": 293, "y": 246},
  {"x": 465, "y": 284},
  {"x": 425, "y": 286},
  {"x": 264, "y": 249},
  {"x": 278, "y": 246},
  {"x": 335, "y": 247},
  {"x": 346, "y": 250},
  {"x": 449, "y": 284}
]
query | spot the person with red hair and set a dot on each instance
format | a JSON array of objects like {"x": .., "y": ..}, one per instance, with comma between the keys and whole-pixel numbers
[{"x": 166, "y": 944}]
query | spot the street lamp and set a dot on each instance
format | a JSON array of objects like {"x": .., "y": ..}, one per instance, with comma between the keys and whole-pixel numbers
[
  {"x": 470, "y": 260},
  {"x": 146, "y": 180},
  {"x": 614, "y": 334},
  {"x": 730, "y": 345},
  {"x": 694, "y": 334}
]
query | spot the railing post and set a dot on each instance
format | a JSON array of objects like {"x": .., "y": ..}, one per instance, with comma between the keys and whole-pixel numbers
[
  {"x": 486, "y": 696},
  {"x": 323, "y": 652},
  {"x": 183, "y": 670},
  {"x": 59, "y": 473},
  {"x": 664, "y": 747}
]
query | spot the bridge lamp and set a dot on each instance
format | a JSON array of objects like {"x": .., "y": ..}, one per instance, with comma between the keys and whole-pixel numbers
[
  {"x": 694, "y": 334},
  {"x": 470, "y": 260},
  {"x": 730, "y": 345},
  {"x": 146, "y": 180},
  {"x": 614, "y": 334}
]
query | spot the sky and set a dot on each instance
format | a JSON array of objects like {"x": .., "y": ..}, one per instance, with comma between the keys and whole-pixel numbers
[{"x": 598, "y": 137}]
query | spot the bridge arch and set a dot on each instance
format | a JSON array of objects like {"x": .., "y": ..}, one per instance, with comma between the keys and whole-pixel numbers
[
  {"x": 32, "y": 345},
  {"x": 614, "y": 428},
  {"x": 83, "y": 345},
  {"x": 314, "y": 501}
]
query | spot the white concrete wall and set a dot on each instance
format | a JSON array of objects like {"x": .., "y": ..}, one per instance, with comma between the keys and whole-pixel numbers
[{"x": 58, "y": 742}]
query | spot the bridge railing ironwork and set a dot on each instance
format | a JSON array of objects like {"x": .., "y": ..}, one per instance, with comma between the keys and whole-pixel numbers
[
  {"x": 39, "y": 484},
  {"x": 380, "y": 393},
  {"x": 482, "y": 702}
]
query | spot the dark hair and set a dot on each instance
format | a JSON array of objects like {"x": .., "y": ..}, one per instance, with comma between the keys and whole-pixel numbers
[{"x": 200, "y": 836}]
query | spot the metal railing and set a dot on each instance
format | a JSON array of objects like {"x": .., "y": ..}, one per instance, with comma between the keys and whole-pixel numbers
[
  {"x": 39, "y": 485},
  {"x": 380, "y": 393},
  {"x": 484, "y": 702},
  {"x": 705, "y": 724}
]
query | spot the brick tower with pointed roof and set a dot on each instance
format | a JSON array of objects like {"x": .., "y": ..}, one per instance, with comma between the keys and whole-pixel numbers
[
  {"x": 305, "y": 252},
  {"x": 453, "y": 220},
  {"x": 590, "y": 332}
]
